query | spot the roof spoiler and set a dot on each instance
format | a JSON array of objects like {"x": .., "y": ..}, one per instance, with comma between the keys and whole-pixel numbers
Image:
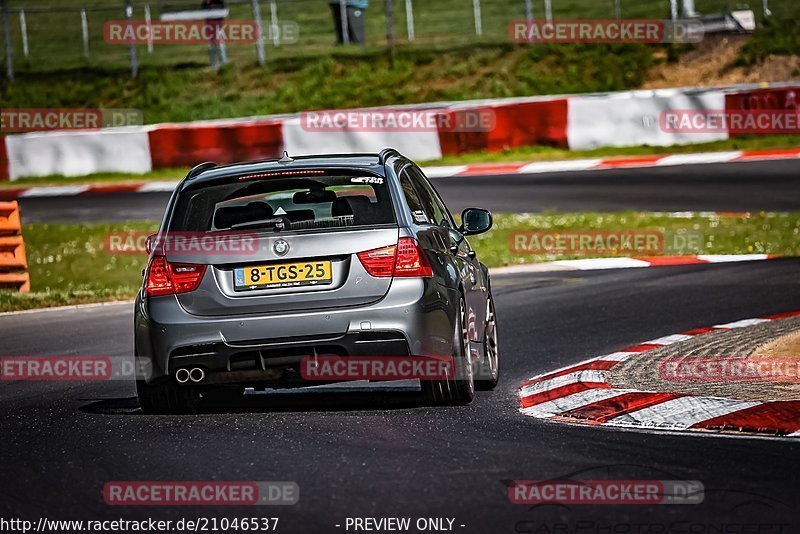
[
  {"x": 200, "y": 168},
  {"x": 386, "y": 153}
]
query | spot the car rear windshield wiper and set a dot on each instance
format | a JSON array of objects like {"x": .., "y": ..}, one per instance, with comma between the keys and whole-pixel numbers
[{"x": 279, "y": 223}]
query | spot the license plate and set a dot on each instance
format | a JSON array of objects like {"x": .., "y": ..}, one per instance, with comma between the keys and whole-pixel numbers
[{"x": 283, "y": 275}]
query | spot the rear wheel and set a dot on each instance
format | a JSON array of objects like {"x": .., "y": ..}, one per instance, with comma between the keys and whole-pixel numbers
[
  {"x": 489, "y": 370},
  {"x": 167, "y": 398},
  {"x": 460, "y": 390}
]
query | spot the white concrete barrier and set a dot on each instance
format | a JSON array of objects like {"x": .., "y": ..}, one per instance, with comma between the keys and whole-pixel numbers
[
  {"x": 303, "y": 142},
  {"x": 633, "y": 118},
  {"x": 79, "y": 153}
]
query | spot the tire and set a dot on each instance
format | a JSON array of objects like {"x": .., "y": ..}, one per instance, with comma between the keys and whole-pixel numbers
[
  {"x": 460, "y": 390},
  {"x": 167, "y": 398},
  {"x": 490, "y": 365}
]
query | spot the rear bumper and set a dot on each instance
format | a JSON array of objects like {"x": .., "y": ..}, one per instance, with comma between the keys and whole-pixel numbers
[{"x": 414, "y": 318}]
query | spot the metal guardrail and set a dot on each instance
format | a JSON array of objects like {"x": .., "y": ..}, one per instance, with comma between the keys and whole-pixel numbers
[{"x": 42, "y": 36}]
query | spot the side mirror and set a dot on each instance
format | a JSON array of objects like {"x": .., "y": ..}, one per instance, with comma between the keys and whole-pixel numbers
[{"x": 475, "y": 221}]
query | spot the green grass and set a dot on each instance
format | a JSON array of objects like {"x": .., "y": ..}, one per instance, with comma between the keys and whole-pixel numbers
[
  {"x": 759, "y": 234},
  {"x": 68, "y": 263},
  {"x": 100, "y": 177},
  {"x": 55, "y": 37},
  {"x": 780, "y": 37},
  {"x": 524, "y": 154},
  {"x": 337, "y": 81},
  {"x": 47, "y": 299},
  {"x": 446, "y": 62}
]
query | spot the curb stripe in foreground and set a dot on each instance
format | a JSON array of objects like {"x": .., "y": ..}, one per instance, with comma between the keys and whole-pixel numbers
[
  {"x": 618, "y": 162},
  {"x": 783, "y": 416},
  {"x": 591, "y": 264},
  {"x": 580, "y": 393},
  {"x": 600, "y": 412},
  {"x": 604, "y": 264}
]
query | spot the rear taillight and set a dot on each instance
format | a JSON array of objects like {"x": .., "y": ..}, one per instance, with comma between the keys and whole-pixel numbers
[
  {"x": 164, "y": 278},
  {"x": 379, "y": 262},
  {"x": 405, "y": 259},
  {"x": 158, "y": 282},
  {"x": 411, "y": 261}
]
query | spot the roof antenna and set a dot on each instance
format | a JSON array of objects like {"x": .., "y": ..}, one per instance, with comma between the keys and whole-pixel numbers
[{"x": 285, "y": 159}]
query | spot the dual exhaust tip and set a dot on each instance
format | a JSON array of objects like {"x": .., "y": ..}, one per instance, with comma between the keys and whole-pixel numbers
[{"x": 184, "y": 375}]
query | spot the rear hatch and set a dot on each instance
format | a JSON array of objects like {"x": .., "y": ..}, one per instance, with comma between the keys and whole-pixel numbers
[{"x": 284, "y": 243}]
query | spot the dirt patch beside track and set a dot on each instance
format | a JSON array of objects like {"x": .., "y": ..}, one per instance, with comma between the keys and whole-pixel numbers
[
  {"x": 773, "y": 339},
  {"x": 714, "y": 63}
]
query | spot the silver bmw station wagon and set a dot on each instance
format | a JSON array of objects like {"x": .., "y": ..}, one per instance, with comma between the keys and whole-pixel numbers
[{"x": 263, "y": 270}]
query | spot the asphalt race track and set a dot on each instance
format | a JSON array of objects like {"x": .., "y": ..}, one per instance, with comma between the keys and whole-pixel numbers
[
  {"x": 735, "y": 187},
  {"x": 387, "y": 456}
]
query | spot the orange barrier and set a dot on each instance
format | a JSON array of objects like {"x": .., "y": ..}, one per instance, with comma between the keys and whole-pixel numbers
[
  {"x": 13, "y": 264},
  {"x": 9, "y": 218}
]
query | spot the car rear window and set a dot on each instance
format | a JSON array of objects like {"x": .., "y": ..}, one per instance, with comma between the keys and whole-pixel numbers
[{"x": 286, "y": 204}]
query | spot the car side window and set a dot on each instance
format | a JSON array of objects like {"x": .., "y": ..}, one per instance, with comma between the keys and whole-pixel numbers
[
  {"x": 429, "y": 196},
  {"x": 418, "y": 211},
  {"x": 429, "y": 208}
]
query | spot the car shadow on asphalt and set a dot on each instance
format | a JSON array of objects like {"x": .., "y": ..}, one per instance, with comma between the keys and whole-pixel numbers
[{"x": 284, "y": 402}]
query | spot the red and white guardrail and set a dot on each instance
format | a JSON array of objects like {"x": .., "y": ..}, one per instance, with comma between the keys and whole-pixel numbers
[{"x": 576, "y": 122}]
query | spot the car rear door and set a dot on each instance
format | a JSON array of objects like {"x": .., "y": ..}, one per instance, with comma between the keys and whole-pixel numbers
[{"x": 450, "y": 243}]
